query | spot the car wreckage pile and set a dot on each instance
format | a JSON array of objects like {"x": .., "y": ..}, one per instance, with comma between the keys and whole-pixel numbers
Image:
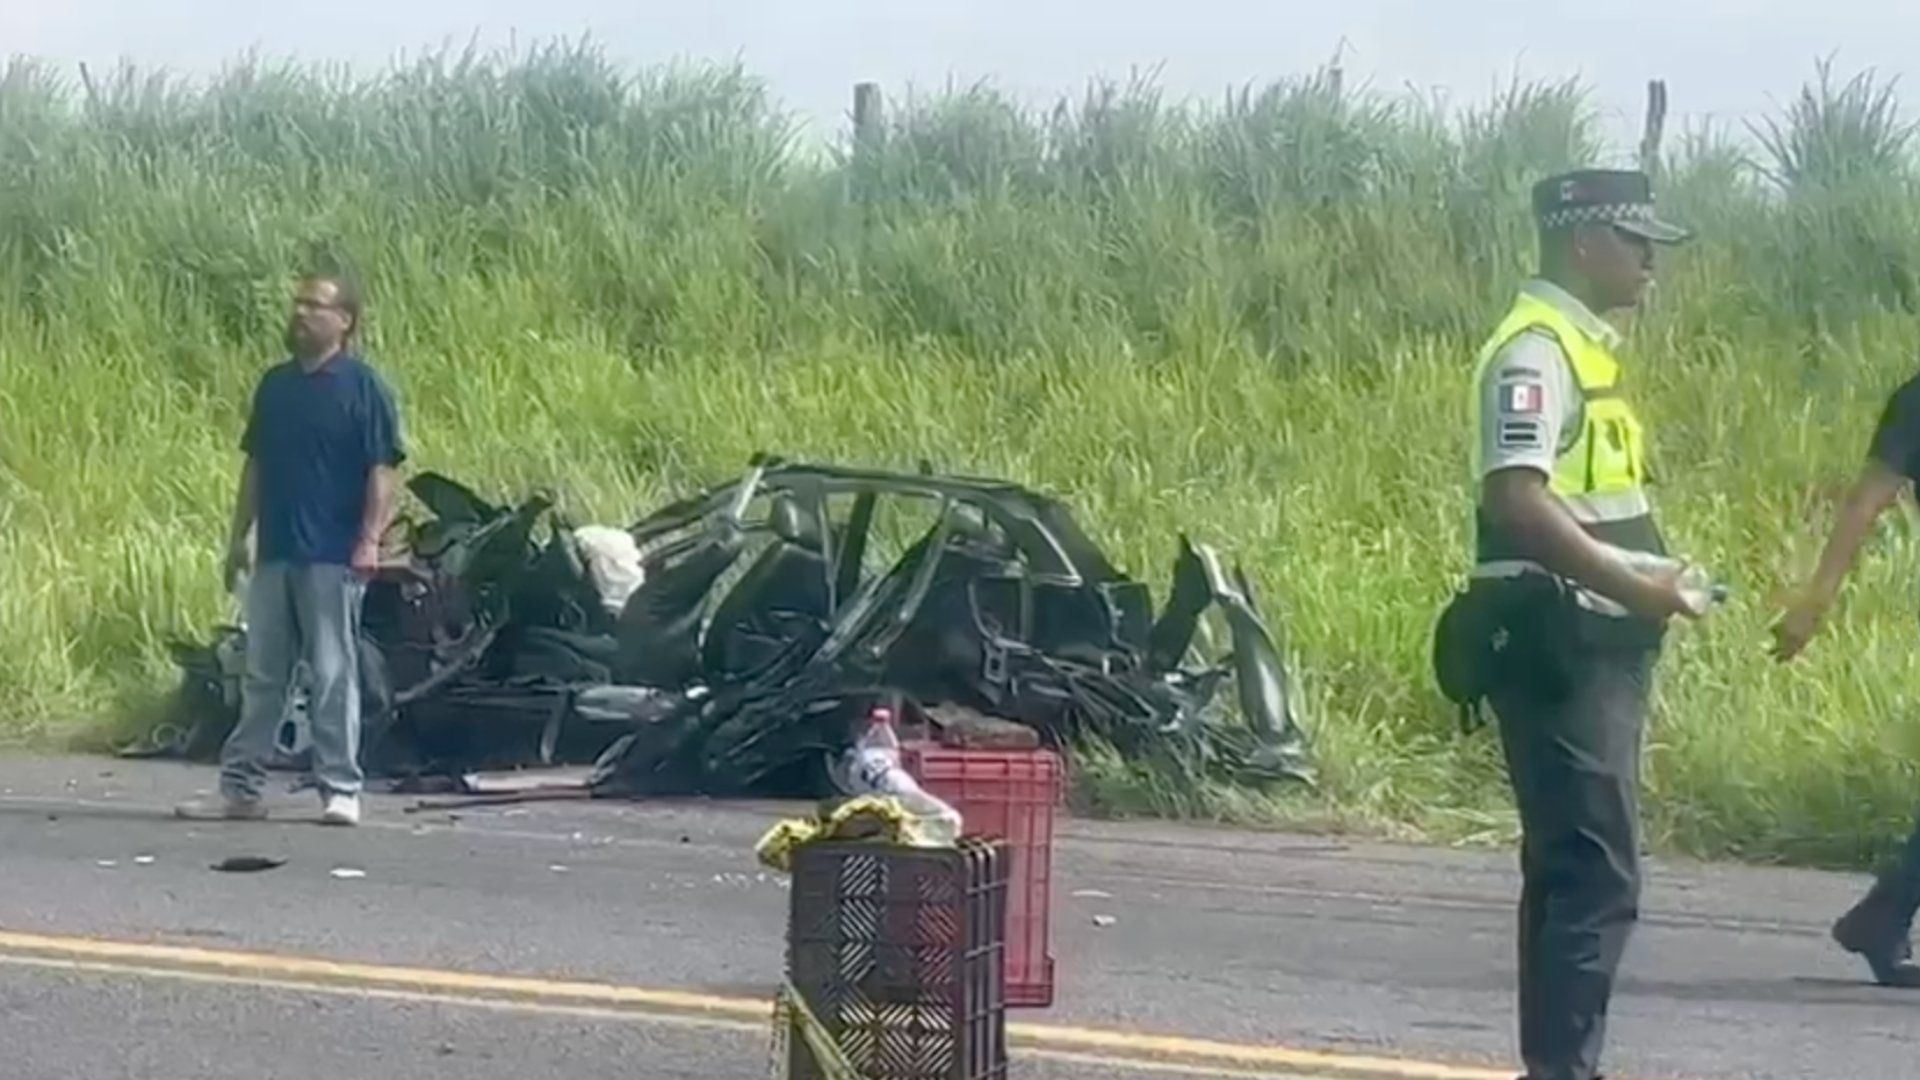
[{"x": 730, "y": 643}]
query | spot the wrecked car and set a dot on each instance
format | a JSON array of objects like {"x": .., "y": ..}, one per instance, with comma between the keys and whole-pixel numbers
[{"x": 764, "y": 616}]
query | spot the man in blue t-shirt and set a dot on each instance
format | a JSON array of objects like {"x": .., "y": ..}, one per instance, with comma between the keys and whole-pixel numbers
[
  {"x": 1877, "y": 927},
  {"x": 322, "y": 447}
]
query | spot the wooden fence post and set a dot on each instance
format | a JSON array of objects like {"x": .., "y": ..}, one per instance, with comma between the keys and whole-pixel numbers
[
  {"x": 1656, "y": 127},
  {"x": 869, "y": 114},
  {"x": 869, "y": 136}
]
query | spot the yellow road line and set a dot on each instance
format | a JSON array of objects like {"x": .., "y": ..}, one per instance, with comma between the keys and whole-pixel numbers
[
  {"x": 309, "y": 973},
  {"x": 1243, "y": 1054},
  {"x": 381, "y": 974},
  {"x": 589, "y": 1012},
  {"x": 376, "y": 993},
  {"x": 1167, "y": 1068}
]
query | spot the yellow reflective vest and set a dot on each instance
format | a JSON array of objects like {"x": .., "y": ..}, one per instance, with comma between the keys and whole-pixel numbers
[{"x": 1601, "y": 475}]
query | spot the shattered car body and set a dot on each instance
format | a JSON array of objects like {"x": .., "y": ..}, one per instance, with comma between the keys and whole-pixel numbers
[
  {"x": 1002, "y": 604},
  {"x": 767, "y": 620}
]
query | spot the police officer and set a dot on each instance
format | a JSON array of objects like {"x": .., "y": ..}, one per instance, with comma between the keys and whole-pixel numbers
[
  {"x": 1565, "y": 538},
  {"x": 1877, "y": 927}
]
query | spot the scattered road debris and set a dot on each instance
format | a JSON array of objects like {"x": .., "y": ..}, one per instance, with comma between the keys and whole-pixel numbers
[
  {"x": 527, "y": 781},
  {"x": 248, "y": 864}
]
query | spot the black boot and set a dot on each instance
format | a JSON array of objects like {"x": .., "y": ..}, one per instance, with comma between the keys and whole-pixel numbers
[{"x": 1877, "y": 929}]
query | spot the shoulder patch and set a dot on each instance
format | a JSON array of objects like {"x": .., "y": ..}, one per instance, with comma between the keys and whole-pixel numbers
[
  {"x": 1523, "y": 397},
  {"x": 1521, "y": 435}
]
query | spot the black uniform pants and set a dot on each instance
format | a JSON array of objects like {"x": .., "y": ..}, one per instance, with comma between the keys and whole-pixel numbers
[
  {"x": 1900, "y": 882},
  {"x": 1573, "y": 756}
]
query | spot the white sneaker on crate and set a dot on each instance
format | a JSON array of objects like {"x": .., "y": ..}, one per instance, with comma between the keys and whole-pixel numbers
[
  {"x": 340, "y": 809},
  {"x": 221, "y": 808}
]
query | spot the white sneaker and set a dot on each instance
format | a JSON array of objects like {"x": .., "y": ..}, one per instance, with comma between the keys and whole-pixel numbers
[
  {"x": 340, "y": 810},
  {"x": 221, "y": 808}
]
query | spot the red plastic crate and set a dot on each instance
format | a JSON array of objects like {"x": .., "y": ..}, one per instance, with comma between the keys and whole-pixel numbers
[{"x": 1007, "y": 795}]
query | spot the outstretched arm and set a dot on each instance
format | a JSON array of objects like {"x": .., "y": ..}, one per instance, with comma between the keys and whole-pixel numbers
[
  {"x": 1891, "y": 462},
  {"x": 1872, "y": 492}
]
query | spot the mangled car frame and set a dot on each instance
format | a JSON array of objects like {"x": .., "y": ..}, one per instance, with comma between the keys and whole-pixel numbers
[{"x": 767, "y": 620}]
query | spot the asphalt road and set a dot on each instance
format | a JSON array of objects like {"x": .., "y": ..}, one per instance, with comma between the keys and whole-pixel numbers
[{"x": 642, "y": 940}]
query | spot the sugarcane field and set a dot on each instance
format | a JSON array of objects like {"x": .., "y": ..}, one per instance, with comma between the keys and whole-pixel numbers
[{"x": 851, "y": 541}]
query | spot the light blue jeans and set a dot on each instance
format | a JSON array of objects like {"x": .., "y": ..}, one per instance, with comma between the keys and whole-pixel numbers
[{"x": 299, "y": 612}]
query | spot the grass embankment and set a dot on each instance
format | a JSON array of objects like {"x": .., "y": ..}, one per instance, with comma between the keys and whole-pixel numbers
[{"x": 1253, "y": 323}]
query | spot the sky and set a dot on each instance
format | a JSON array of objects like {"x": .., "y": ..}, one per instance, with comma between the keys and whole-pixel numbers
[{"x": 1719, "y": 59}]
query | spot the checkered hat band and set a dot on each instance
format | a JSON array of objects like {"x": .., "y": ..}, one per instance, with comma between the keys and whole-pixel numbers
[{"x": 1599, "y": 214}]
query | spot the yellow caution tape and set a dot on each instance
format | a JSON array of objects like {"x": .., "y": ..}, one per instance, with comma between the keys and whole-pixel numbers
[
  {"x": 870, "y": 817},
  {"x": 792, "y": 1013}
]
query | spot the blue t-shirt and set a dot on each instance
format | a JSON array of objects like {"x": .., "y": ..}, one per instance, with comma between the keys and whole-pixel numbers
[{"x": 314, "y": 440}]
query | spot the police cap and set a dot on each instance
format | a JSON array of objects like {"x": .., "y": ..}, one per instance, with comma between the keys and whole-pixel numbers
[{"x": 1622, "y": 198}]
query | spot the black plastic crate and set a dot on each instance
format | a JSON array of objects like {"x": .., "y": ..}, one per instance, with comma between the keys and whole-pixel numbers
[{"x": 901, "y": 951}]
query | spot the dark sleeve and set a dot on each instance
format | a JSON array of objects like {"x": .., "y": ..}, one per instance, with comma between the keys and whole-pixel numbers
[
  {"x": 384, "y": 442},
  {"x": 1896, "y": 440}
]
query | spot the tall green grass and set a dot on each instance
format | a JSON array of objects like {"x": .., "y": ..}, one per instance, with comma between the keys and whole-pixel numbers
[{"x": 1251, "y": 321}]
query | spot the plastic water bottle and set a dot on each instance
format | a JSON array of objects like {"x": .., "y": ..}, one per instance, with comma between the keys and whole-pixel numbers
[
  {"x": 880, "y": 734},
  {"x": 1698, "y": 590},
  {"x": 874, "y": 768},
  {"x": 1697, "y": 587},
  {"x": 876, "y": 753}
]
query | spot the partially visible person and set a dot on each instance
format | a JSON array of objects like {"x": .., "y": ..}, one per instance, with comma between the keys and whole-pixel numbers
[
  {"x": 323, "y": 448},
  {"x": 1878, "y": 928}
]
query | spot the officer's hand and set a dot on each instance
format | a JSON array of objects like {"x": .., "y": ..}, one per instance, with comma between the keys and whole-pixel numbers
[
  {"x": 1797, "y": 626},
  {"x": 1660, "y": 597}
]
